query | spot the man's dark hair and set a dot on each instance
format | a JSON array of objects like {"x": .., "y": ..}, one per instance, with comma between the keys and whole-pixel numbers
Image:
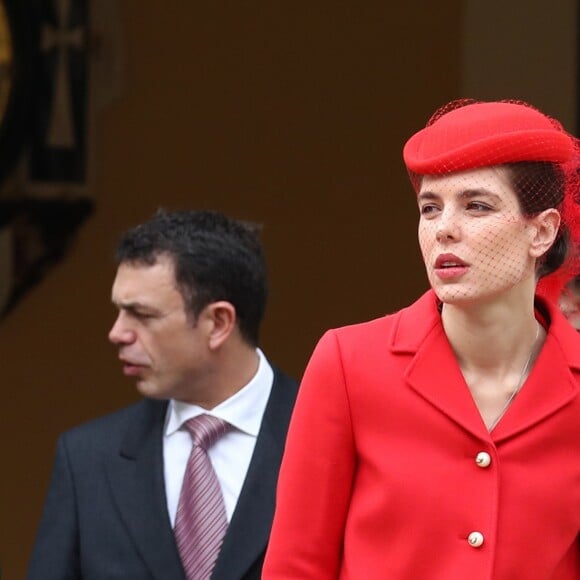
[{"x": 215, "y": 258}]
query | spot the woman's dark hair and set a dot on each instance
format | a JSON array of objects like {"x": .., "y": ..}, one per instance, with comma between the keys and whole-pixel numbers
[{"x": 540, "y": 185}]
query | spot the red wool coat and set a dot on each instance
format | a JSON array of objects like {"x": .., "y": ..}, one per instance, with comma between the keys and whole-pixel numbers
[{"x": 390, "y": 473}]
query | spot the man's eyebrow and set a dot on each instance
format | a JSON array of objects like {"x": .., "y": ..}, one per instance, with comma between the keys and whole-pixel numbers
[{"x": 133, "y": 306}]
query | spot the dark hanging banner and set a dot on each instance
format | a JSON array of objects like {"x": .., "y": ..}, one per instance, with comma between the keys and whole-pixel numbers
[
  {"x": 45, "y": 195},
  {"x": 58, "y": 147}
]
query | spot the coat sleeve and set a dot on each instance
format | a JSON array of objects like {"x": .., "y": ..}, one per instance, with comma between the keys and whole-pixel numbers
[
  {"x": 55, "y": 555},
  {"x": 316, "y": 475}
]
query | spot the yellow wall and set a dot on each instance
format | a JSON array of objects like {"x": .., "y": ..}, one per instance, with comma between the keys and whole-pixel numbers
[{"x": 290, "y": 114}]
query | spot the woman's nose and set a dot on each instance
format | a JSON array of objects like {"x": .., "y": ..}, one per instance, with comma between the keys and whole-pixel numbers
[{"x": 447, "y": 228}]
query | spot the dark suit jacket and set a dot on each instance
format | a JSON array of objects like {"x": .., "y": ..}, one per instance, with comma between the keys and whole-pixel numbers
[{"x": 105, "y": 516}]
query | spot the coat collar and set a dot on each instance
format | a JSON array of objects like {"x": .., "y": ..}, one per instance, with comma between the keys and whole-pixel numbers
[
  {"x": 414, "y": 324},
  {"x": 435, "y": 375}
]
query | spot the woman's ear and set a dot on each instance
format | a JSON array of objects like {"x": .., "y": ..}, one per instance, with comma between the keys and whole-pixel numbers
[
  {"x": 545, "y": 228},
  {"x": 221, "y": 316}
]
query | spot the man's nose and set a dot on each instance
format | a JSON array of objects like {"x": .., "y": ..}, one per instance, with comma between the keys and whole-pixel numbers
[{"x": 120, "y": 333}]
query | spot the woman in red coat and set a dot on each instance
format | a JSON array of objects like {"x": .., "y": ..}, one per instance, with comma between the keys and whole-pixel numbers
[{"x": 443, "y": 442}]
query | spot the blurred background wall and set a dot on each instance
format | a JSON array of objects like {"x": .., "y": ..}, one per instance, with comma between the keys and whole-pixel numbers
[{"x": 292, "y": 114}]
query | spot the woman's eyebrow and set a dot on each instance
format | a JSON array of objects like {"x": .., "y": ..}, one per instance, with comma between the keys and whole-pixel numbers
[
  {"x": 479, "y": 192},
  {"x": 428, "y": 195}
]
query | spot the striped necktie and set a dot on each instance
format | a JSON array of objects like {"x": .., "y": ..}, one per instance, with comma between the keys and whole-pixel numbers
[{"x": 201, "y": 521}]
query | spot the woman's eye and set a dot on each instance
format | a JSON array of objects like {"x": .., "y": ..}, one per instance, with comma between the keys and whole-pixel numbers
[
  {"x": 478, "y": 206},
  {"x": 428, "y": 209}
]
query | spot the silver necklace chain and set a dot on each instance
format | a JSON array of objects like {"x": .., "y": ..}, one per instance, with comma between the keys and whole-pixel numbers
[{"x": 523, "y": 375}]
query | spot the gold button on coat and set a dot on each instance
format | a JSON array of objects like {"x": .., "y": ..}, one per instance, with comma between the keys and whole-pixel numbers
[
  {"x": 483, "y": 459},
  {"x": 475, "y": 539}
]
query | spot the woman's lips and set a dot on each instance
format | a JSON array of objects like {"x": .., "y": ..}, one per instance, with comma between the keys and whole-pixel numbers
[
  {"x": 450, "y": 273},
  {"x": 449, "y": 266}
]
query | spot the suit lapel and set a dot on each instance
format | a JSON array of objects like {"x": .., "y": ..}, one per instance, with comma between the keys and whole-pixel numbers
[
  {"x": 249, "y": 529},
  {"x": 137, "y": 484}
]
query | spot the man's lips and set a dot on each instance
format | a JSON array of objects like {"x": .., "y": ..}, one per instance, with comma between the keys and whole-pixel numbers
[{"x": 132, "y": 368}]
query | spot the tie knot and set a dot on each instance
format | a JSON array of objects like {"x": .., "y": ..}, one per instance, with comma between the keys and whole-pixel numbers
[{"x": 205, "y": 430}]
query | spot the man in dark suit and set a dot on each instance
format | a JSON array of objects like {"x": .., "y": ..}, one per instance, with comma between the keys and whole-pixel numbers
[{"x": 190, "y": 291}]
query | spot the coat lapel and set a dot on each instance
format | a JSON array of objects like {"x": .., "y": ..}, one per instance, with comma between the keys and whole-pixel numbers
[
  {"x": 433, "y": 372},
  {"x": 551, "y": 385},
  {"x": 249, "y": 529},
  {"x": 435, "y": 375},
  {"x": 137, "y": 484}
]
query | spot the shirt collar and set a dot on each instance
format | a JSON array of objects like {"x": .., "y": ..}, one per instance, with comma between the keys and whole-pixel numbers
[{"x": 243, "y": 410}]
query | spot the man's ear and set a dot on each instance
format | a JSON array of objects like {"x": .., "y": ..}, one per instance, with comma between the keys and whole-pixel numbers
[
  {"x": 545, "y": 226},
  {"x": 222, "y": 319}
]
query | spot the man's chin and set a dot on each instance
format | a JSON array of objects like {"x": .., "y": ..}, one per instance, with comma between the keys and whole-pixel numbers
[{"x": 149, "y": 390}]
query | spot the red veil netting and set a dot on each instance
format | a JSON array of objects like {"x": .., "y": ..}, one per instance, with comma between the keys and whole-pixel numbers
[{"x": 467, "y": 134}]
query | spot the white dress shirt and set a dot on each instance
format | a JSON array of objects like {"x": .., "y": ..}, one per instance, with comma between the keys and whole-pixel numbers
[{"x": 231, "y": 454}]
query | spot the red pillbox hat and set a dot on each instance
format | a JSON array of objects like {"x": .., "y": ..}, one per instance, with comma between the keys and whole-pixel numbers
[{"x": 480, "y": 134}]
